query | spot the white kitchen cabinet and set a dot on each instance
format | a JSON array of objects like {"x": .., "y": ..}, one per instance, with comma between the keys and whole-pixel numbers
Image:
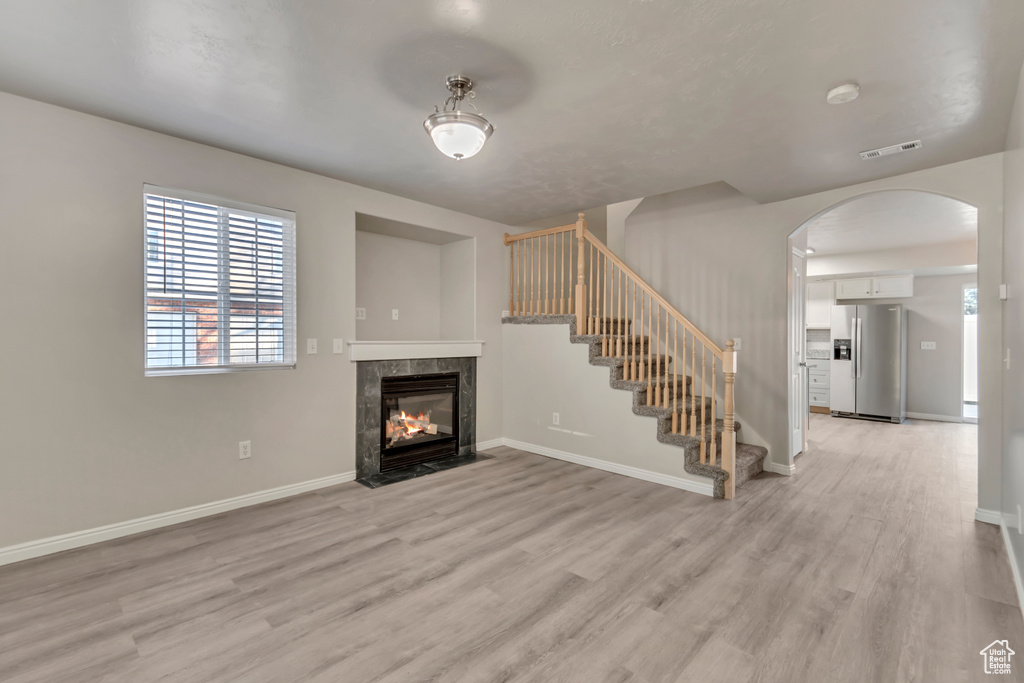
[
  {"x": 895, "y": 287},
  {"x": 888, "y": 287},
  {"x": 820, "y": 298},
  {"x": 858, "y": 288},
  {"x": 818, "y": 375}
]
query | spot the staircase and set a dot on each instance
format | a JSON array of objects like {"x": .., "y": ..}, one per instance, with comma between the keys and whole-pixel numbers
[{"x": 565, "y": 275}]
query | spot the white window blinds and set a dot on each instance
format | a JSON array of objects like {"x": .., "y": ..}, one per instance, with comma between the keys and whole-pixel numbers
[{"x": 220, "y": 284}]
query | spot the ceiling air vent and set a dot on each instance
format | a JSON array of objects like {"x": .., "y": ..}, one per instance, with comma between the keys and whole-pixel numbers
[{"x": 891, "y": 149}]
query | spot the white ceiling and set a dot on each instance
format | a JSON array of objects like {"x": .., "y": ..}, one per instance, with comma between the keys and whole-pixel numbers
[
  {"x": 892, "y": 220},
  {"x": 594, "y": 101}
]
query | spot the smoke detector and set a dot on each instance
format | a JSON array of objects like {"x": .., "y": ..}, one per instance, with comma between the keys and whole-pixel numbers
[
  {"x": 842, "y": 94},
  {"x": 891, "y": 149}
]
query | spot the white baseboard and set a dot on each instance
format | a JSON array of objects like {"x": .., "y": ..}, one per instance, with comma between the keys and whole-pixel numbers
[
  {"x": 486, "y": 445},
  {"x": 934, "y": 418},
  {"x": 778, "y": 468},
  {"x": 1013, "y": 563},
  {"x": 989, "y": 516},
  {"x": 77, "y": 539},
  {"x": 706, "y": 489}
]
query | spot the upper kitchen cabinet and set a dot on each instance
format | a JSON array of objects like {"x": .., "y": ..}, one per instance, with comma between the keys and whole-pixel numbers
[
  {"x": 859, "y": 288},
  {"x": 889, "y": 287},
  {"x": 820, "y": 298},
  {"x": 895, "y": 287}
]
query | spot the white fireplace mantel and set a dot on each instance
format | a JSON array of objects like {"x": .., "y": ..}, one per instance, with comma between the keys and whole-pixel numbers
[{"x": 400, "y": 350}]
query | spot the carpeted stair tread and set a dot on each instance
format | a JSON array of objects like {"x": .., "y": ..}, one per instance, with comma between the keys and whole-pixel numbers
[
  {"x": 668, "y": 383},
  {"x": 539, "y": 319},
  {"x": 749, "y": 462}
]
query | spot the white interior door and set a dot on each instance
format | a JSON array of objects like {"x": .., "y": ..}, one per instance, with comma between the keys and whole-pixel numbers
[{"x": 797, "y": 365}]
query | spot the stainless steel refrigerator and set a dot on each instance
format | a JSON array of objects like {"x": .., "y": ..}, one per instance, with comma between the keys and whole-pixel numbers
[{"x": 869, "y": 362}]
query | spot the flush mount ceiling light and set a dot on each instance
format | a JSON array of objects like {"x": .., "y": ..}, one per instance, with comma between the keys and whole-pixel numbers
[
  {"x": 458, "y": 134},
  {"x": 809, "y": 250},
  {"x": 844, "y": 93}
]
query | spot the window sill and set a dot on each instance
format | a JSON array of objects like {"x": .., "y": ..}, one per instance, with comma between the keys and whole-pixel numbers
[{"x": 215, "y": 369}]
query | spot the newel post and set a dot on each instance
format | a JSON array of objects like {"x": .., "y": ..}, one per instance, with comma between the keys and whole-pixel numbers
[
  {"x": 729, "y": 431},
  {"x": 581, "y": 288},
  {"x": 511, "y": 275}
]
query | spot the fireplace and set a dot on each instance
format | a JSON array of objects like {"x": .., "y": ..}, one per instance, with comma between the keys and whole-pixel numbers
[
  {"x": 419, "y": 419},
  {"x": 435, "y": 434}
]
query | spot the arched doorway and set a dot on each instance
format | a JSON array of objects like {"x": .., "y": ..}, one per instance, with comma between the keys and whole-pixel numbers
[{"x": 883, "y": 242}]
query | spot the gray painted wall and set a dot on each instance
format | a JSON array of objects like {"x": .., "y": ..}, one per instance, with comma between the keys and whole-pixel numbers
[
  {"x": 1013, "y": 339},
  {"x": 458, "y": 295},
  {"x": 87, "y": 440},
  {"x": 934, "y": 313},
  {"x": 398, "y": 273},
  {"x": 726, "y": 269},
  {"x": 546, "y": 374}
]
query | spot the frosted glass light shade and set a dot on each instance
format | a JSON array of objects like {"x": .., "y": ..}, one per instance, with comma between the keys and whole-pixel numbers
[{"x": 458, "y": 134}]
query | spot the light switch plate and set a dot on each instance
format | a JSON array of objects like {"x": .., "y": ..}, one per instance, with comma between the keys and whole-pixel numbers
[
  {"x": 928, "y": 346},
  {"x": 310, "y": 346},
  {"x": 339, "y": 346},
  {"x": 394, "y": 314}
]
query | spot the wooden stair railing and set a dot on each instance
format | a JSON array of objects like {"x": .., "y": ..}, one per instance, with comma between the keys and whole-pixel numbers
[{"x": 632, "y": 322}]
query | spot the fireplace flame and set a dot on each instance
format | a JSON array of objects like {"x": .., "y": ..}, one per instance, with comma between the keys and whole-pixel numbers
[{"x": 402, "y": 427}]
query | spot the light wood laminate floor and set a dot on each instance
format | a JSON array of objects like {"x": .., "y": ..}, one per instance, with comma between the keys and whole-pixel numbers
[{"x": 865, "y": 566}]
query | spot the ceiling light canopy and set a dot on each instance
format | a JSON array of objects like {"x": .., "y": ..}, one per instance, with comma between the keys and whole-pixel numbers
[
  {"x": 809, "y": 250},
  {"x": 842, "y": 94},
  {"x": 458, "y": 134}
]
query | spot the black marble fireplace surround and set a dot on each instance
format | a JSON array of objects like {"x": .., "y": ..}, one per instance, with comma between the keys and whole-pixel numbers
[{"x": 369, "y": 418}]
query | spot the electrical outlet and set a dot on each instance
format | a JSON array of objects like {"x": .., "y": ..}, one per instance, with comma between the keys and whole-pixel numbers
[
  {"x": 311, "y": 346},
  {"x": 339, "y": 346},
  {"x": 928, "y": 346},
  {"x": 394, "y": 314},
  {"x": 360, "y": 314},
  {"x": 244, "y": 450},
  {"x": 554, "y": 418}
]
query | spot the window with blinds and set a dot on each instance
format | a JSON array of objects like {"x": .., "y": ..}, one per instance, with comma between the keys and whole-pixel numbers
[{"x": 220, "y": 284}]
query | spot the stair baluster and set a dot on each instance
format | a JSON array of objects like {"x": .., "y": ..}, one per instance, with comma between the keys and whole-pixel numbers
[
  {"x": 703, "y": 405},
  {"x": 561, "y": 278},
  {"x": 714, "y": 411},
  {"x": 675, "y": 376},
  {"x": 650, "y": 349},
  {"x": 693, "y": 390},
  {"x": 620, "y": 325},
  {"x": 632, "y": 332}
]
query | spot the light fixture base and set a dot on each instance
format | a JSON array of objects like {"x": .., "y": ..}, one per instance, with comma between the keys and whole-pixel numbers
[{"x": 459, "y": 85}]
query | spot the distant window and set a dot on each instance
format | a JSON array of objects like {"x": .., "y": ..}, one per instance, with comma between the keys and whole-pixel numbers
[
  {"x": 220, "y": 284},
  {"x": 971, "y": 301}
]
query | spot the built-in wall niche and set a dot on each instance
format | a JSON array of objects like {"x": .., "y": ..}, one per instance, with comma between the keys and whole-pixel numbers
[{"x": 427, "y": 275}]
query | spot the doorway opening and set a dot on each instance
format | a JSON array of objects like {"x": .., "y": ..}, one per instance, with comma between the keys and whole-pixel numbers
[{"x": 908, "y": 249}]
